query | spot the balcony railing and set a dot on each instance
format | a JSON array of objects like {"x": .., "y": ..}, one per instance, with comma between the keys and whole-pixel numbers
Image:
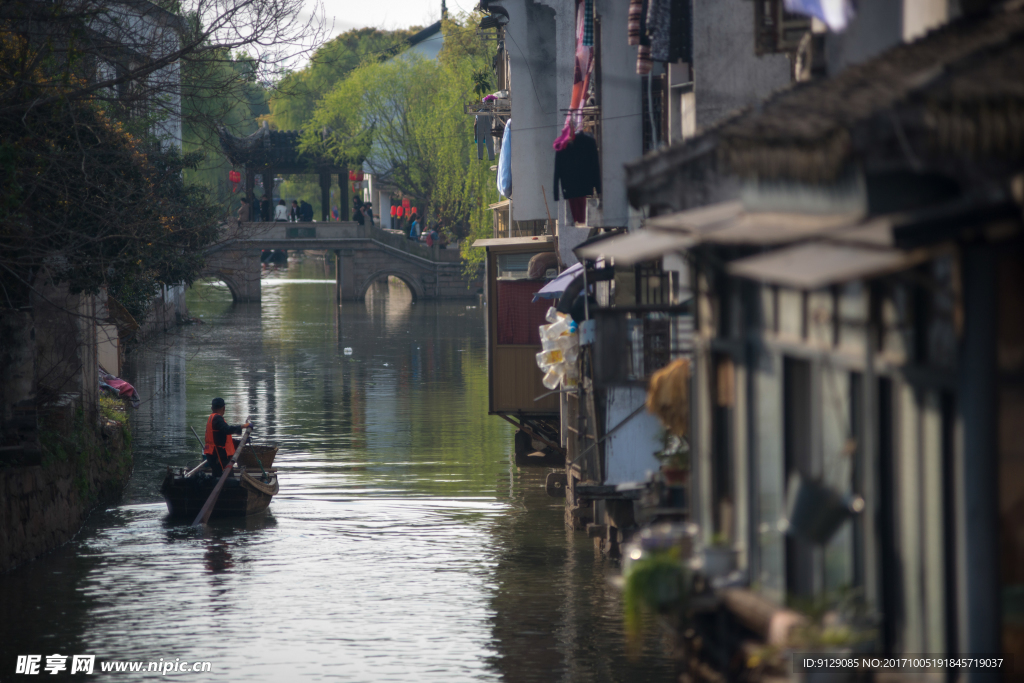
[{"x": 630, "y": 344}]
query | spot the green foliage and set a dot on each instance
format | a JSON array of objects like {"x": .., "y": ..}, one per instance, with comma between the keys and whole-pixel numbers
[
  {"x": 405, "y": 117},
  {"x": 94, "y": 205},
  {"x": 836, "y": 620},
  {"x": 217, "y": 92},
  {"x": 79, "y": 445},
  {"x": 88, "y": 198},
  {"x": 483, "y": 82},
  {"x": 658, "y": 583},
  {"x": 293, "y": 100},
  {"x": 297, "y": 95},
  {"x": 114, "y": 409}
]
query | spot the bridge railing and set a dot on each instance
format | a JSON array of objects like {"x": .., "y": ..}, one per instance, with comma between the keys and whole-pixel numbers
[{"x": 328, "y": 235}]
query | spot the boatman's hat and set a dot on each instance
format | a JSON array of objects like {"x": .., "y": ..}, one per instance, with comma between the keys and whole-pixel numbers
[{"x": 218, "y": 403}]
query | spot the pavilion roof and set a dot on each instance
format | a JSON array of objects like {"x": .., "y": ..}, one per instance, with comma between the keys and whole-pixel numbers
[{"x": 276, "y": 149}]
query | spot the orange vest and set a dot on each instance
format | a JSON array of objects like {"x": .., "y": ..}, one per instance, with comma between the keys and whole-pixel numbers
[{"x": 211, "y": 447}]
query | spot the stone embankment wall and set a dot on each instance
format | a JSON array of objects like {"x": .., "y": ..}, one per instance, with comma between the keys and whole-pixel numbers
[
  {"x": 166, "y": 312},
  {"x": 44, "y": 506}
]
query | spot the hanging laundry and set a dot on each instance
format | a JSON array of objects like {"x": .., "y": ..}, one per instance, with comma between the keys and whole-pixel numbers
[
  {"x": 483, "y": 138},
  {"x": 505, "y": 162},
  {"x": 659, "y": 28},
  {"x": 578, "y": 174},
  {"x": 588, "y": 23},
  {"x": 578, "y": 209},
  {"x": 643, "y": 60},
  {"x": 836, "y": 14},
  {"x": 643, "y": 53},
  {"x": 583, "y": 66},
  {"x": 636, "y": 8}
]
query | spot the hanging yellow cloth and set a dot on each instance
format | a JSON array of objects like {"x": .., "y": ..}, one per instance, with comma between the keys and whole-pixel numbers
[{"x": 668, "y": 396}]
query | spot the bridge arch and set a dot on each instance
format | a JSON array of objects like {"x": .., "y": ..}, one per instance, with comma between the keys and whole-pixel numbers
[
  {"x": 415, "y": 287},
  {"x": 239, "y": 269},
  {"x": 227, "y": 280}
]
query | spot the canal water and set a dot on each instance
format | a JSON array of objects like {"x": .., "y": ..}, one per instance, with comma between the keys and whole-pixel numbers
[{"x": 403, "y": 545}]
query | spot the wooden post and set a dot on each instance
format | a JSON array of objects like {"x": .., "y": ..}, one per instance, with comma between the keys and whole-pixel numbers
[
  {"x": 337, "y": 276},
  {"x": 250, "y": 191},
  {"x": 268, "y": 191},
  {"x": 343, "y": 199},
  {"x": 325, "y": 196}
]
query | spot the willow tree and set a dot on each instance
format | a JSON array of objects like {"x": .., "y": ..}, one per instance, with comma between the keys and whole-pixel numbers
[
  {"x": 295, "y": 96},
  {"x": 407, "y": 114},
  {"x": 236, "y": 105}
]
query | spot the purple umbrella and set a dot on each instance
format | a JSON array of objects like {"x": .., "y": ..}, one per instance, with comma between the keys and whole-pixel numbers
[{"x": 554, "y": 289}]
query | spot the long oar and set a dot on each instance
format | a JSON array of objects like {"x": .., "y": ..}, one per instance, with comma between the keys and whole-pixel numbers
[
  {"x": 195, "y": 469},
  {"x": 204, "y": 515},
  {"x": 203, "y": 463},
  {"x": 201, "y": 444}
]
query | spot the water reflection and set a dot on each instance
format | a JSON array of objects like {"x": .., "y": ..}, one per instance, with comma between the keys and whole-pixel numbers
[{"x": 401, "y": 545}]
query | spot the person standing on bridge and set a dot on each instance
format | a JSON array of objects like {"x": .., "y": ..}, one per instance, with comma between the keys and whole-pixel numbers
[
  {"x": 266, "y": 209},
  {"x": 218, "y": 446},
  {"x": 281, "y": 211},
  {"x": 357, "y": 210},
  {"x": 243, "y": 211}
]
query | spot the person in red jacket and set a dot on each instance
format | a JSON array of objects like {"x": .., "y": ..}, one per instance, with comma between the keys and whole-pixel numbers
[{"x": 219, "y": 446}]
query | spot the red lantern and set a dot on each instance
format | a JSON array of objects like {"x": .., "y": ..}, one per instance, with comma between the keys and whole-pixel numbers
[
  {"x": 234, "y": 176},
  {"x": 413, "y": 210},
  {"x": 405, "y": 203},
  {"x": 400, "y": 212},
  {"x": 394, "y": 211},
  {"x": 351, "y": 175}
]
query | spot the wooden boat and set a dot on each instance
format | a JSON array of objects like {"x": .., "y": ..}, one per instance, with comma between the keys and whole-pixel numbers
[{"x": 243, "y": 493}]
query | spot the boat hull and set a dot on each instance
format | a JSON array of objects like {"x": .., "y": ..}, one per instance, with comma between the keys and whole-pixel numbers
[{"x": 242, "y": 495}]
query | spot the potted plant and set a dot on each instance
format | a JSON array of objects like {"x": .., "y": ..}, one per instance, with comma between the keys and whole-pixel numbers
[
  {"x": 675, "y": 459},
  {"x": 837, "y": 624},
  {"x": 719, "y": 557},
  {"x": 654, "y": 582}
]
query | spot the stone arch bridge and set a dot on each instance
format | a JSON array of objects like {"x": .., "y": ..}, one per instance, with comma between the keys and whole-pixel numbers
[{"x": 363, "y": 255}]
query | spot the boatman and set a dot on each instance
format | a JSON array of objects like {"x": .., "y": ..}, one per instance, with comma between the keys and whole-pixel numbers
[{"x": 219, "y": 445}]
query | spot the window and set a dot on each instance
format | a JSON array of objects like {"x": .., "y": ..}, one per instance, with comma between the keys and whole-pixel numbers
[{"x": 518, "y": 316}]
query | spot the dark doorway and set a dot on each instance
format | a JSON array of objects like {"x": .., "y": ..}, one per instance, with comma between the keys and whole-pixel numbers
[{"x": 797, "y": 419}]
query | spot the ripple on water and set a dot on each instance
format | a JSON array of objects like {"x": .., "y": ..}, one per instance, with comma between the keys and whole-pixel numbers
[{"x": 401, "y": 547}]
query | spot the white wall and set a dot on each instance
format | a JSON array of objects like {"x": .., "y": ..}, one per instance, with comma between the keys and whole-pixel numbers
[
  {"x": 530, "y": 39},
  {"x": 629, "y": 452},
  {"x": 621, "y": 130},
  {"x": 152, "y": 33},
  {"x": 429, "y": 48}
]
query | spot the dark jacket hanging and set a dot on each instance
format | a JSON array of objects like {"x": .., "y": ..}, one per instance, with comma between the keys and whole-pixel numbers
[{"x": 577, "y": 168}]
